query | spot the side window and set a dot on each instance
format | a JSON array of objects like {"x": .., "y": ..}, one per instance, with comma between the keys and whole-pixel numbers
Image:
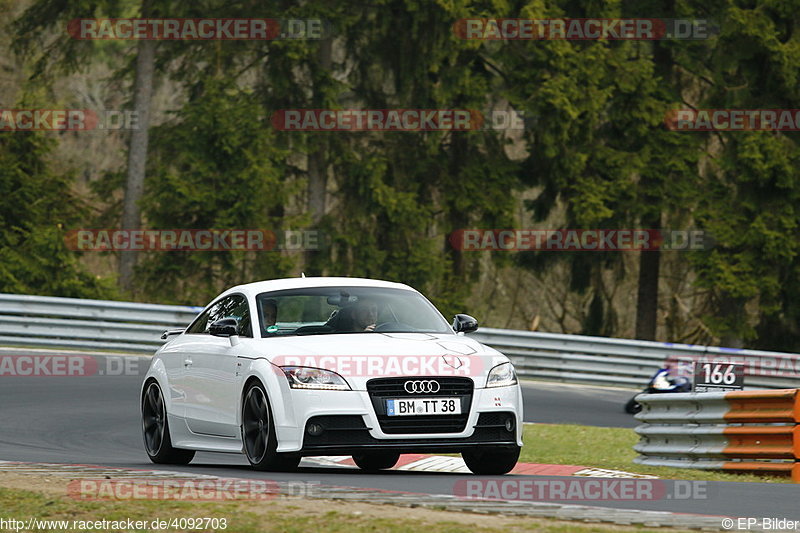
[
  {"x": 200, "y": 323},
  {"x": 239, "y": 309},
  {"x": 234, "y": 306}
]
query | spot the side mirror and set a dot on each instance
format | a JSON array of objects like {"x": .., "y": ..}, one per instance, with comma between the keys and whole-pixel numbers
[
  {"x": 224, "y": 327},
  {"x": 464, "y": 324}
]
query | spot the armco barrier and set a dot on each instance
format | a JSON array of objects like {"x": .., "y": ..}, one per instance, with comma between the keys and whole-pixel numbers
[
  {"x": 745, "y": 431},
  {"x": 87, "y": 324},
  {"x": 135, "y": 327},
  {"x": 625, "y": 362}
]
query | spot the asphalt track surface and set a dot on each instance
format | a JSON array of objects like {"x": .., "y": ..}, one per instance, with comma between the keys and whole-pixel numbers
[{"x": 95, "y": 420}]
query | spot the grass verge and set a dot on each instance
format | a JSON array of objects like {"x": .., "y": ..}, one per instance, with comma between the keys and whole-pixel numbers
[{"x": 283, "y": 515}]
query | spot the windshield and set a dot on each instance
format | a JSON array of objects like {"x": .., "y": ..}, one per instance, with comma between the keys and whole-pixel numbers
[{"x": 325, "y": 310}]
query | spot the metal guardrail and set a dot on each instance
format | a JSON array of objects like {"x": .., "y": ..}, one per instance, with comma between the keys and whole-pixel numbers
[
  {"x": 87, "y": 324},
  {"x": 743, "y": 431},
  {"x": 626, "y": 362},
  {"x": 126, "y": 326}
]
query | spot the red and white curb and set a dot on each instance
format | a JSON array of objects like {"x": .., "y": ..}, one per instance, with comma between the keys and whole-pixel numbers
[
  {"x": 602, "y": 472},
  {"x": 455, "y": 465},
  {"x": 409, "y": 462}
]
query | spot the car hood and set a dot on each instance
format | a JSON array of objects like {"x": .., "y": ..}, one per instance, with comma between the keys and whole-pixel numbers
[{"x": 360, "y": 357}]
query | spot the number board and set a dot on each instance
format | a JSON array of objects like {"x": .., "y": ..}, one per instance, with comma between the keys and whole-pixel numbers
[{"x": 718, "y": 377}]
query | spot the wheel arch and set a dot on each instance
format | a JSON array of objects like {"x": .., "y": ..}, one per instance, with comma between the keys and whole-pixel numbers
[
  {"x": 265, "y": 374},
  {"x": 148, "y": 380},
  {"x": 247, "y": 384},
  {"x": 157, "y": 373}
]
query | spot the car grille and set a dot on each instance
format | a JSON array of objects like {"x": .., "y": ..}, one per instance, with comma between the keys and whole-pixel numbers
[
  {"x": 381, "y": 389},
  {"x": 394, "y": 387}
]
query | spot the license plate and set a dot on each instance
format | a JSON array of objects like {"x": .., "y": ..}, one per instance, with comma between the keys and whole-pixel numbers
[{"x": 423, "y": 406}]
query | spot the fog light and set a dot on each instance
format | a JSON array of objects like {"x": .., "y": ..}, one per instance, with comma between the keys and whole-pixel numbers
[
  {"x": 510, "y": 424},
  {"x": 315, "y": 430}
]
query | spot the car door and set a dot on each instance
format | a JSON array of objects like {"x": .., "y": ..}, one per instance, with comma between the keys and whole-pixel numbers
[
  {"x": 212, "y": 377},
  {"x": 177, "y": 356}
]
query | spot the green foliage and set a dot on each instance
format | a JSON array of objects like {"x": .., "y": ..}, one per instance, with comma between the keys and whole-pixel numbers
[
  {"x": 36, "y": 208},
  {"x": 751, "y": 187},
  {"x": 598, "y": 146},
  {"x": 595, "y": 144},
  {"x": 40, "y": 36},
  {"x": 213, "y": 166}
]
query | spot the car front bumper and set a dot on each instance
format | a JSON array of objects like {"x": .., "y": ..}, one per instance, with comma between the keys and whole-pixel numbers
[{"x": 350, "y": 423}]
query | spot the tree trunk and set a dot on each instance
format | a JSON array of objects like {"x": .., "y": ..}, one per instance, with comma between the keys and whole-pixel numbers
[
  {"x": 317, "y": 162},
  {"x": 732, "y": 311},
  {"x": 137, "y": 155},
  {"x": 650, "y": 261},
  {"x": 458, "y": 219},
  {"x": 647, "y": 295},
  {"x": 317, "y": 185},
  {"x": 317, "y": 167}
]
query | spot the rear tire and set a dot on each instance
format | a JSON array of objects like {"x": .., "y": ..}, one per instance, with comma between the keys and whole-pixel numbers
[
  {"x": 372, "y": 462},
  {"x": 491, "y": 461},
  {"x": 155, "y": 430},
  {"x": 258, "y": 433}
]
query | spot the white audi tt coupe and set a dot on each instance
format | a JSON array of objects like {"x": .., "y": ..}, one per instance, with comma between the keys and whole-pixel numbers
[{"x": 288, "y": 368}]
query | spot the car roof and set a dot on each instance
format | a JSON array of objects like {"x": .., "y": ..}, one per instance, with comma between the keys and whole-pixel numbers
[{"x": 252, "y": 289}]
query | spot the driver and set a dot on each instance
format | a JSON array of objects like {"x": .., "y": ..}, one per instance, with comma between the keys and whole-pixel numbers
[{"x": 365, "y": 316}]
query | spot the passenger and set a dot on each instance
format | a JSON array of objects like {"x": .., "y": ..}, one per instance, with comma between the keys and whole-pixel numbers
[{"x": 269, "y": 313}]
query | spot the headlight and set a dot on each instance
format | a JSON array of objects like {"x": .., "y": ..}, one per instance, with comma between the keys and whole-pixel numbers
[
  {"x": 303, "y": 377},
  {"x": 502, "y": 375}
]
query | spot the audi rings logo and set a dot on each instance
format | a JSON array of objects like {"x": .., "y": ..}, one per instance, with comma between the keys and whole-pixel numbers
[{"x": 422, "y": 386}]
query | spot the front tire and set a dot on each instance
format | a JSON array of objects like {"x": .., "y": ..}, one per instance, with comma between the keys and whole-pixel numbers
[
  {"x": 155, "y": 430},
  {"x": 372, "y": 462},
  {"x": 633, "y": 407},
  {"x": 491, "y": 461},
  {"x": 258, "y": 433}
]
